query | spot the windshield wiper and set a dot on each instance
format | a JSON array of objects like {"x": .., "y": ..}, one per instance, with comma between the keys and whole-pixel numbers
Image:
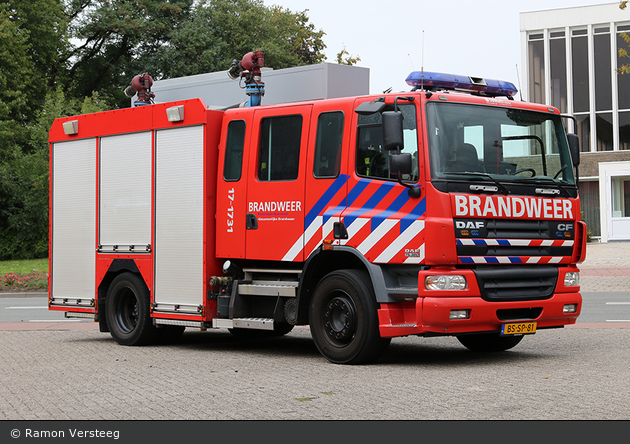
[
  {"x": 486, "y": 175},
  {"x": 539, "y": 179}
]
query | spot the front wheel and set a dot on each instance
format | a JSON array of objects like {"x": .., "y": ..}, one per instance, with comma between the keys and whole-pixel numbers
[
  {"x": 343, "y": 318},
  {"x": 489, "y": 342},
  {"x": 128, "y": 311}
]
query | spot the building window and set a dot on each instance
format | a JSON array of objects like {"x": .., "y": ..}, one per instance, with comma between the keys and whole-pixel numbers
[
  {"x": 536, "y": 68},
  {"x": 603, "y": 74},
  {"x": 620, "y": 187},
  {"x": 584, "y": 132},
  {"x": 604, "y": 131},
  {"x": 623, "y": 80},
  {"x": 624, "y": 131},
  {"x": 558, "y": 61},
  {"x": 579, "y": 55}
]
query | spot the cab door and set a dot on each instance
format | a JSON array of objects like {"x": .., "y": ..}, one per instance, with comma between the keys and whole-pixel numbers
[{"x": 275, "y": 184}]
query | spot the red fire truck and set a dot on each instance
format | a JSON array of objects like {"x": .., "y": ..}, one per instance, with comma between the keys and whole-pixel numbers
[{"x": 451, "y": 209}]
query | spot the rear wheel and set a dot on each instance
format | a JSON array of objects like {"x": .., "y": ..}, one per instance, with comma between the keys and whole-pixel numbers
[
  {"x": 489, "y": 342},
  {"x": 343, "y": 318},
  {"x": 128, "y": 311}
]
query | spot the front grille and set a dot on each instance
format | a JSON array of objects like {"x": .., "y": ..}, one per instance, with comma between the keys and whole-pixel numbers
[
  {"x": 518, "y": 229},
  {"x": 513, "y": 237},
  {"x": 516, "y": 282}
]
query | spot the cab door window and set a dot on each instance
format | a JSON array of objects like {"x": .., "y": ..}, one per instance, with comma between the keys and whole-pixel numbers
[
  {"x": 279, "y": 152},
  {"x": 372, "y": 160},
  {"x": 235, "y": 142},
  {"x": 328, "y": 145}
]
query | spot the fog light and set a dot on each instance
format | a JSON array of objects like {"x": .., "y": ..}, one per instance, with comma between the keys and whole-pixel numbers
[
  {"x": 569, "y": 308},
  {"x": 572, "y": 279},
  {"x": 445, "y": 282},
  {"x": 459, "y": 314}
]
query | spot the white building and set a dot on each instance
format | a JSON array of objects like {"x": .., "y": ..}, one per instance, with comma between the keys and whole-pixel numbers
[{"x": 570, "y": 60}]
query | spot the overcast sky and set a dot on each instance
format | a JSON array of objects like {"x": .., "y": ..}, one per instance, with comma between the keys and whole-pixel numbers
[{"x": 477, "y": 38}]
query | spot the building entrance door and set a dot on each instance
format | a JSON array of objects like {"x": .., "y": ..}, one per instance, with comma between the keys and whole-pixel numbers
[{"x": 618, "y": 205}]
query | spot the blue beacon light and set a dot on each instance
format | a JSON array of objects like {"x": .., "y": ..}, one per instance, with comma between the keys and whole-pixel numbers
[{"x": 434, "y": 80}]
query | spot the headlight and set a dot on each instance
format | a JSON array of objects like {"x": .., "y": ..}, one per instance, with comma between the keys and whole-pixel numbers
[
  {"x": 569, "y": 308},
  {"x": 572, "y": 279},
  {"x": 445, "y": 282}
]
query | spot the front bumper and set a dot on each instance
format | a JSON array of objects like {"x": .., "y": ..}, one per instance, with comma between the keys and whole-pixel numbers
[{"x": 430, "y": 313}]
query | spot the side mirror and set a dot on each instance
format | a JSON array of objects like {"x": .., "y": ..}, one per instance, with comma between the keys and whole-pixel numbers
[
  {"x": 393, "y": 130},
  {"x": 368, "y": 108},
  {"x": 574, "y": 148},
  {"x": 400, "y": 163}
]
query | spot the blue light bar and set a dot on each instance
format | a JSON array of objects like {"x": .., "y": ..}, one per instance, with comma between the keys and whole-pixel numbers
[{"x": 436, "y": 80}]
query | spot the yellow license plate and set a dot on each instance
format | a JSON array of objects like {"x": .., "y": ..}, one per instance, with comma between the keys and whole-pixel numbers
[{"x": 519, "y": 328}]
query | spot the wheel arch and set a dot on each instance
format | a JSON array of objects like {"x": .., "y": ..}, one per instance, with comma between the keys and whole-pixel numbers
[
  {"x": 322, "y": 262},
  {"x": 118, "y": 266}
]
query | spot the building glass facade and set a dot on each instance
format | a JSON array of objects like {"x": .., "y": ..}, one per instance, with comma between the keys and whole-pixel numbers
[{"x": 570, "y": 60}]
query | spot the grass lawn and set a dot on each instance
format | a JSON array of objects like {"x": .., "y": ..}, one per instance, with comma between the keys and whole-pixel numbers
[
  {"x": 23, "y": 266},
  {"x": 24, "y": 275}
]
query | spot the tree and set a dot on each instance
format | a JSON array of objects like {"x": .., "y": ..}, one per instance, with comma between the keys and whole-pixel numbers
[
  {"x": 55, "y": 53},
  {"x": 24, "y": 181},
  {"x": 115, "y": 36},
  {"x": 220, "y": 31},
  {"x": 31, "y": 41},
  {"x": 16, "y": 76}
]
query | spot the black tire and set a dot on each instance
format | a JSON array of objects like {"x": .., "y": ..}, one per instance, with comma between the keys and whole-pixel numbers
[
  {"x": 128, "y": 311},
  {"x": 344, "y": 320},
  {"x": 489, "y": 342}
]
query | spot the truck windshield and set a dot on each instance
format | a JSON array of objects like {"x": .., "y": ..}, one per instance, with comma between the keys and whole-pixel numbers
[{"x": 496, "y": 144}]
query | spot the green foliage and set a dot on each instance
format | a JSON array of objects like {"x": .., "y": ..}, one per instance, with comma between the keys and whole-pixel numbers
[
  {"x": 68, "y": 57},
  {"x": 24, "y": 181},
  {"x": 116, "y": 36},
  {"x": 218, "y": 31},
  {"x": 24, "y": 206},
  {"x": 344, "y": 58}
]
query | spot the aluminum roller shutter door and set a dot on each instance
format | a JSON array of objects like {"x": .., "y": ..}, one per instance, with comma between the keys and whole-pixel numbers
[
  {"x": 179, "y": 205},
  {"x": 73, "y": 219},
  {"x": 125, "y": 190}
]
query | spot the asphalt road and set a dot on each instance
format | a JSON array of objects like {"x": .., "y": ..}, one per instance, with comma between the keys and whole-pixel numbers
[
  {"x": 77, "y": 373},
  {"x": 607, "y": 307},
  {"x": 560, "y": 374},
  {"x": 30, "y": 309}
]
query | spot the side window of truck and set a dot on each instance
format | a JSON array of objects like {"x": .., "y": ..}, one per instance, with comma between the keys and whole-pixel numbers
[
  {"x": 328, "y": 145},
  {"x": 372, "y": 160},
  {"x": 235, "y": 142},
  {"x": 279, "y": 153}
]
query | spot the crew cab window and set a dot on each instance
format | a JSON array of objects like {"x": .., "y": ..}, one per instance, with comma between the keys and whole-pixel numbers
[
  {"x": 372, "y": 160},
  {"x": 328, "y": 145},
  {"x": 279, "y": 153},
  {"x": 234, "y": 144}
]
